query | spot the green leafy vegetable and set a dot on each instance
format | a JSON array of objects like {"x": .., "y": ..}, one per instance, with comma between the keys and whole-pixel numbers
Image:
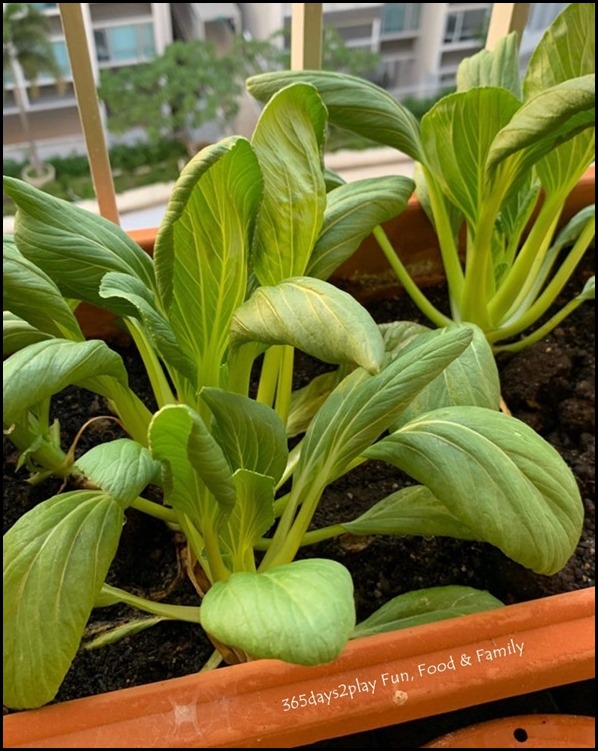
[
  {"x": 237, "y": 283},
  {"x": 482, "y": 155}
]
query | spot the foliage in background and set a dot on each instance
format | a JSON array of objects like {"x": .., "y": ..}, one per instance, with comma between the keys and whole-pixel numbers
[
  {"x": 27, "y": 52},
  {"x": 191, "y": 84}
]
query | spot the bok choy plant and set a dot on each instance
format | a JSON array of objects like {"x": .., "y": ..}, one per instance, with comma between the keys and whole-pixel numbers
[
  {"x": 484, "y": 155},
  {"x": 237, "y": 281}
]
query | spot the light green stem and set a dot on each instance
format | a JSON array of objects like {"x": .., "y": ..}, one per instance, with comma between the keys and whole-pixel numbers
[
  {"x": 269, "y": 376},
  {"x": 543, "y": 331},
  {"x": 132, "y": 412},
  {"x": 449, "y": 249},
  {"x": 406, "y": 280},
  {"x": 175, "y": 612},
  {"x": 545, "y": 300},
  {"x": 159, "y": 383},
  {"x": 48, "y": 454},
  {"x": 474, "y": 307},
  {"x": 284, "y": 386},
  {"x": 309, "y": 538},
  {"x": 520, "y": 277},
  {"x": 213, "y": 662},
  {"x": 155, "y": 510}
]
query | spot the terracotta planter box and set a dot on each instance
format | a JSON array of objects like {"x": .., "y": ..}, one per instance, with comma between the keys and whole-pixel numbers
[{"x": 378, "y": 681}]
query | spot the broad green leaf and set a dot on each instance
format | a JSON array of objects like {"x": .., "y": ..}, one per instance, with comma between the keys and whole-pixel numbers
[
  {"x": 410, "y": 511},
  {"x": 158, "y": 328},
  {"x": 457, "y": 135},
  {"x": 426, "y": 606},
  {"x": 56, "y": 558},
  {"x": 302, "y": 612},
  {"x": 306, "y": 401},
  {"x": 362, "y": 406},
  {"x": 202, "y": 250},
  {"x": 352, "y": 212},
  {"x": 288, "y": 141},
  {"x": 73, "y": 246},
  {"x": 589, "y": 290},
  {"x": 251, "y": 517},
  {"x": 193, "y": 463},
  {"x": 497, "y": 476},
  {"x": 422, "y": 191},
  {"x": 43, "y": 369},
  {"x": 398, "y": 334},
  {"x": 545, "y": 121},
  {"x": 353, "y": 104},
  {"x": 251, "y": 435},
  {"x": 121, "y": 468},
  {"x": 18, "y": 334},
  {"x": 469, "y": 380},
  {"x": 313, "y": 316},
  {"x": 574, "y": 227},
  {"x": 566, "y": 50},
  {"x": 516, "y": 212},
  {"x": 332, "y": 180},
  {"x": 497, "y": 67},
  {"x": 32, "y": 295}
]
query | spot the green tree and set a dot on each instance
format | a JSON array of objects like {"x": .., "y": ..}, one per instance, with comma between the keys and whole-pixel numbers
[
  {"x": 187, "y": 86},
  {"x": 337, "y": 56},
  {"x": 27, "y": 53}
]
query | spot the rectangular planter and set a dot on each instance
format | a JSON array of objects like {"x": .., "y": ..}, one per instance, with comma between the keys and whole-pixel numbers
[{"x": 377, "y": 681}]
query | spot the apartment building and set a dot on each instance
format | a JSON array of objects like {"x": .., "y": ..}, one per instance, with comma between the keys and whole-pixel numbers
[
  {"x": 421, "y": 46},
  {"x": 117, "y": 34}
]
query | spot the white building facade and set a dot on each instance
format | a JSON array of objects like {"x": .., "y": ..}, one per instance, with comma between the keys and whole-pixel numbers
[
  {"x": 118, "y": 34},
  {"x": 420, "y": 44}
]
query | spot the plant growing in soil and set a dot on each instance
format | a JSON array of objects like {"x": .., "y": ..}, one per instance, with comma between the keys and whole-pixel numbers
[
  {"x": 238, "y": 272},
  {"x": 484, "y": 154}
]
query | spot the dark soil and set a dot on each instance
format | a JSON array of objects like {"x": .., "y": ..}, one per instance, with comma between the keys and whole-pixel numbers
[{"x": 550, "y": 386}]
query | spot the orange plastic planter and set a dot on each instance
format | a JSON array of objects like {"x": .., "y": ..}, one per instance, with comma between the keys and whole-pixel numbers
[
  {"x": 528, "y": 731},
  {"x": 378, "y": 681}
]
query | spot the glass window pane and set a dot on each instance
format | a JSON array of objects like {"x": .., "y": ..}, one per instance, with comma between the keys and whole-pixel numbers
[
  {"x": 397, "y": 17},
  {"x": 473, "y": 24},
  {"x": 147, "y": 44},
  {"x": 123, "y": 43},
  {"x": 102, "y": 51},
  {"x": 62, "y": 57}
]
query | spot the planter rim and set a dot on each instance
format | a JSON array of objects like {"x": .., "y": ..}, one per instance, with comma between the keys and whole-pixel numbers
[
  {"x": 378, "y": 681},
  {"x": 532, "y": 731}
]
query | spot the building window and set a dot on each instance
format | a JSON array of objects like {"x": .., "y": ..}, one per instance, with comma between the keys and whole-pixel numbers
[
  {"x": 44, "y": 6},
  {"x": 355, "y": 33},
  {"x": 62, "y": 57},
  {"x": 120, "y": 44},
  {"x": 397, "y": 17},
  {"x": 466, "y": 25}
]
